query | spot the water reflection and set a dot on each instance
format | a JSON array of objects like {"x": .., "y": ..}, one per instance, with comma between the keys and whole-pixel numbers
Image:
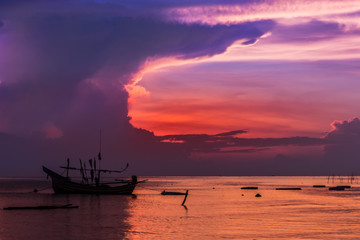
[
  {"x": 216, "y": 208},
  {"x": 98, "y": 217}
]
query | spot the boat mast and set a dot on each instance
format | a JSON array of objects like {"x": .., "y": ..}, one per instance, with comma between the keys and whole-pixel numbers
[
  {"x": 99, "y": 158},
  {"x": 67, "y": 167}
]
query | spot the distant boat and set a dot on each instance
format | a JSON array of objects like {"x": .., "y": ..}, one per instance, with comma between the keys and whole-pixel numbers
[
  {"x": 172, "y": 193},
  {"x": 338, "y": 188},
  {"x": 288, "y": 188},
  {"x": 249, "y": 188},
  {"x": 61, "y": 184}
]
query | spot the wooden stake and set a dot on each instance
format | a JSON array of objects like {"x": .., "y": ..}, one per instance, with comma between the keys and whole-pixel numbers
[{"x": 186, "y": 194}]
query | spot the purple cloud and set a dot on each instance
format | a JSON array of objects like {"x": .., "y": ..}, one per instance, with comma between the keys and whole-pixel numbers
[
  {"x": 311, "y": 31},
  {"x": 69, "y": 46},
  {"x": 65, "y": 66},
  {"x": 345, "y": 132},
  {"x": 62, "y": 74},
  {"x": 342, "y": 149}
]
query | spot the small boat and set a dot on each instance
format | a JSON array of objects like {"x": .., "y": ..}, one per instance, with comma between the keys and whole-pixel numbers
[
  {"x": 249, "y": 188},
  {"x": 319, "y": 186},
  {"x": 337, "y": 188},
  {"x": 90, "y": 183},
  {"x": 295, "y": 188},
  {"x": 172, "y": 193},
  {"x": 61, "y": 184}
]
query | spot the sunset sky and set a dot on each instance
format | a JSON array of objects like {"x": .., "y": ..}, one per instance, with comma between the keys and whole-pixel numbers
[{"x": 251, "y": 87}]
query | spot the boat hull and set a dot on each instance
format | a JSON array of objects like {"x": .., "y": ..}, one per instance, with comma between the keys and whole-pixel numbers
[{"x": 62, "y": 184}]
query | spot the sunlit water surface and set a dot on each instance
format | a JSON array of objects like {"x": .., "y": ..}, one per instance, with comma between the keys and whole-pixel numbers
[{"x": 216, "y": 208}]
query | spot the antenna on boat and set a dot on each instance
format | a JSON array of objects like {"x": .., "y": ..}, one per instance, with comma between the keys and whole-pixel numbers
[
  {"x": 99, "y": 158},
  {"x": 100, "y": 146},
  {"x": 67, "y": 167}
]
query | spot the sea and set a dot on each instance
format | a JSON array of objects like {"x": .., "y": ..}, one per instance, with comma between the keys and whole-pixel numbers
[{"x": 216, "y": 208}]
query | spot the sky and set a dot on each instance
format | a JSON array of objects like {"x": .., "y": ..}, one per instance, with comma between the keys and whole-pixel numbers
[{"x": 251, "y": 87}]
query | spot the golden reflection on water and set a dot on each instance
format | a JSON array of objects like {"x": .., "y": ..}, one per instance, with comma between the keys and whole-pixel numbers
[{"x": 217, "y": 208}]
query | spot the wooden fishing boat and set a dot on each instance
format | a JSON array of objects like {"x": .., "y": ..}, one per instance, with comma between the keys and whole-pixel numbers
[
  {"x": 61, "y": 184},
  {"x": 90, "y": 183}
]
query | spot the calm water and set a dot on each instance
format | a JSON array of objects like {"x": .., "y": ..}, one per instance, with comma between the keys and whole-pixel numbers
[{"x": 216, "y": 208}]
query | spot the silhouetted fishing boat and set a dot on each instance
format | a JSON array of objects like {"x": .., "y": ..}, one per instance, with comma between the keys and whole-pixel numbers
[
  {"x": 90, "y": 183},
  {"x": 61, "y": 184}
]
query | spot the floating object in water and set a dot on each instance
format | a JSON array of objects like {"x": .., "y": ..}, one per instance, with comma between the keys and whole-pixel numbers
[
  {"x": 67, "y": 206},
  {"x": 249, "y": 188},
  {"x": 186, "y": 194},
  {"x": 295, "y": 188},
  {"x": 258, "y": 195},
  {"x": 319, "y": 186},
  {"x": 344, "y": 186},
  {"x": 337, "y": 188},
  {"x": 172, "y": 193}
]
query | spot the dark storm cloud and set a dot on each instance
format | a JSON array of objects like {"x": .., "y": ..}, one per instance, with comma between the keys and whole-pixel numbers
[
  {"x": 342, "y": 151},
  {"x": 336, "y": 153},
  {"x": 345, "y": 131},
  {"x": 65, "y": 64},
  {"x": 68, "y": 47}
]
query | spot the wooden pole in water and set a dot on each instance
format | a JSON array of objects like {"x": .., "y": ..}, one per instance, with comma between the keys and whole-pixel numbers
[
  {"x": 67, "y": 167},
  {"x": 99, "y": 158},
  {"x": 186, "y": 194}
]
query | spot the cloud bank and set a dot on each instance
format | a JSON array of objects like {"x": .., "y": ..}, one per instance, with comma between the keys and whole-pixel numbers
[
  {"x": 52, "y": 56},
  {"x": 64, "y": 66}
]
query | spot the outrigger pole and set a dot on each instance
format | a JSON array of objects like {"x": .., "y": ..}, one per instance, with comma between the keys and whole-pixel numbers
[{"x": 101, "y": 170}]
